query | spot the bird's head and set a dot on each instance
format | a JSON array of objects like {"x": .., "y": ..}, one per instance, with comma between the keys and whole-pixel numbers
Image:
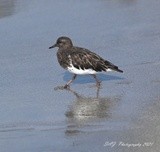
[{"x": 63, "y": 43}]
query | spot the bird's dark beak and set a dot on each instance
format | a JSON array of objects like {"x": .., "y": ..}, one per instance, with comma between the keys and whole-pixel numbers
[{"x": 53, "y": 46}]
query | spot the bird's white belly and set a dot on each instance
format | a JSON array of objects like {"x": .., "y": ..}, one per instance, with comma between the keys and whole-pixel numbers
[{"x": 74, "y": 70}]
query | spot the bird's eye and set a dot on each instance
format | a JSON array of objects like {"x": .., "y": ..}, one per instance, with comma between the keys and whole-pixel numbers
[{"x": 61, "y": 42}]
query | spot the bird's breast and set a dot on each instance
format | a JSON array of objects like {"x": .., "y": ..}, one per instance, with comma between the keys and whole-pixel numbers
[{"x": 63, "y": 59}]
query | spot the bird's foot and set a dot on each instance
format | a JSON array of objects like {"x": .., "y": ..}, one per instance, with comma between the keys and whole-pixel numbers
[
  {"x": 62, "y": 87},
  {"x": 59, "y": 88},
  {"x": 66, "y": 86}
]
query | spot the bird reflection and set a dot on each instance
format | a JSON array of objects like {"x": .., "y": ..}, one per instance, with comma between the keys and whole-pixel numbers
[{"x": 85, "y": 110}]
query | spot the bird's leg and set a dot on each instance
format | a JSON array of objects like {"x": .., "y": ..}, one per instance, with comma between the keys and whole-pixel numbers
[
  {"x": 70, "y": 81},
  {"x": 98, "y": 82}
]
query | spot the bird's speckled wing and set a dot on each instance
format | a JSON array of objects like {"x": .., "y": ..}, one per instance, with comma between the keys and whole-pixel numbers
[{"x": 85, "y": 59}]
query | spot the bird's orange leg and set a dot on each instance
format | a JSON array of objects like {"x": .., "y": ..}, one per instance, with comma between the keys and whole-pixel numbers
[{"x": 70, "y": 81}]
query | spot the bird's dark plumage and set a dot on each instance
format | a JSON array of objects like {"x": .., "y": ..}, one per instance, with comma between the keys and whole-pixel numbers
[{"x": 80, "y": 60}]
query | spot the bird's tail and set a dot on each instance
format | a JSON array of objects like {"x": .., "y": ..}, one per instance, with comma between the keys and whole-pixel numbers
[
  {"x": 118, "y": 70},
  {"x": 112, "y": 67}
]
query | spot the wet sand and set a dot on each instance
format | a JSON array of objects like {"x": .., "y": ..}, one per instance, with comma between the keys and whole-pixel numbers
[{"x": 123, "y": 115}]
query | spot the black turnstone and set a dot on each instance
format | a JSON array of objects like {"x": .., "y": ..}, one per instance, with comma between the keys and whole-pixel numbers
[{"x": 80, "y": 61}]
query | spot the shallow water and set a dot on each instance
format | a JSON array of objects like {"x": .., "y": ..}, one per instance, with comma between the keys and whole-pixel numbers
[{"x": 35, "y": 117}]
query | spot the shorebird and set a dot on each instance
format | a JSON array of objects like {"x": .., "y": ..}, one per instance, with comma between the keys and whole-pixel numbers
[{"x": 80, "y": 61}]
